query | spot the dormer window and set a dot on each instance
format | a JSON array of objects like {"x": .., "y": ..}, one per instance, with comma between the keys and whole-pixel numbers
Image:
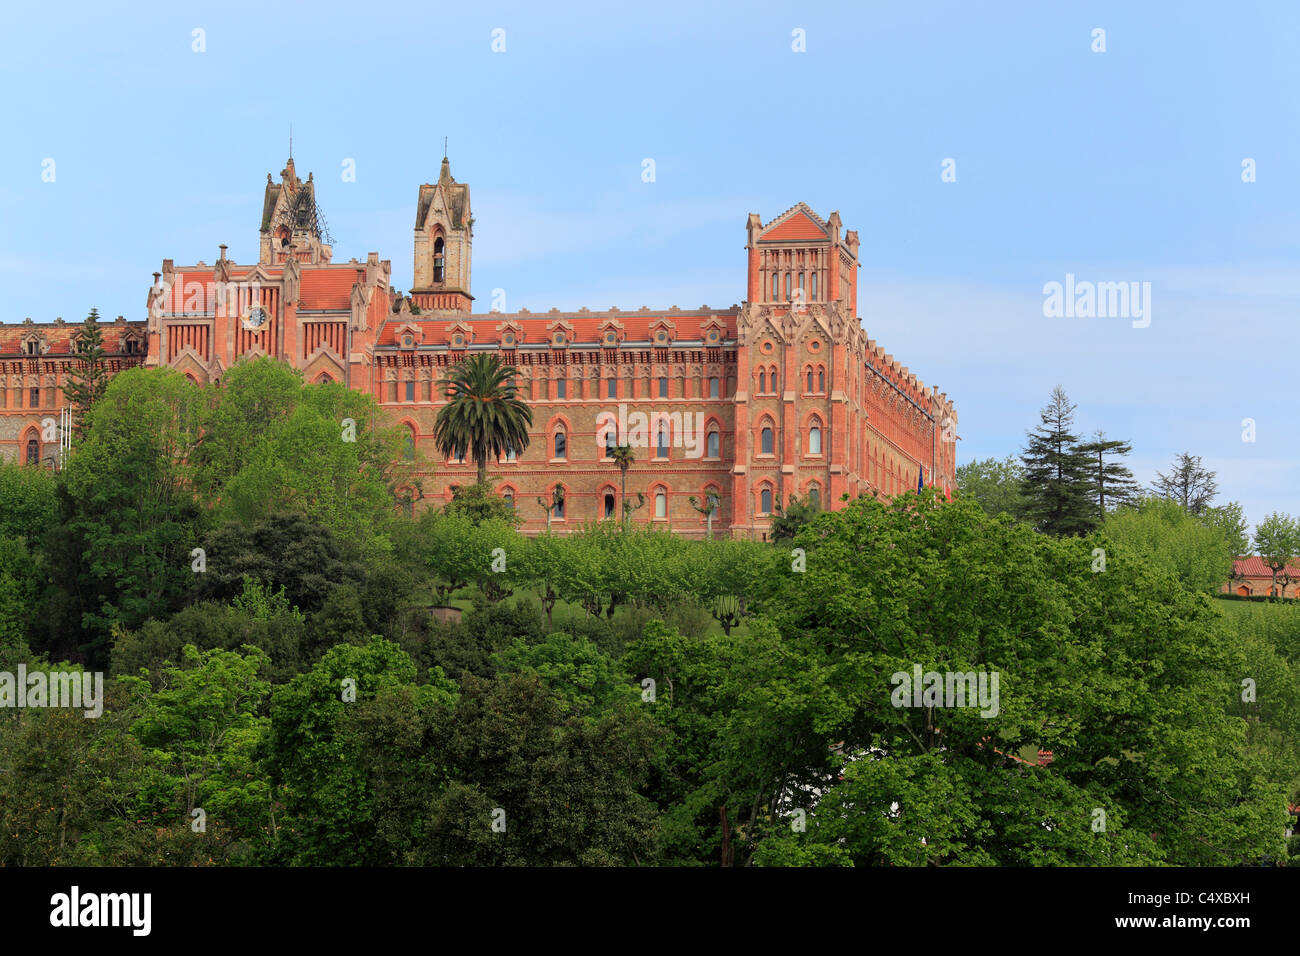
[
  {"x": 458, "y": 339},
  {"x": 713, "y": 337},
  {"x": 611, "y": 337},
  {"x": 439, "y": 270},
  {"x": 132, "y": 346},
  {"x": 32, "y": 347},
  {"x": 408, "y": 341},
  {"x": 661, "y": 337},
  {"x": 508, "y": 338},
  {"x": 559, "y": 338}
]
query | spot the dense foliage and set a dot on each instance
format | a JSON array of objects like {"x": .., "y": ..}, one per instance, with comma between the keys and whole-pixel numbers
[{"x": 335, "y": 683}]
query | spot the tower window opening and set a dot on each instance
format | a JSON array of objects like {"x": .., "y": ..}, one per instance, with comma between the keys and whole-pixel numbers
[{"x": 439, "y": 269}]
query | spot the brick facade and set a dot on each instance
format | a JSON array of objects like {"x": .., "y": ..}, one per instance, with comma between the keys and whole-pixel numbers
[{"x": 783, "y": 394}]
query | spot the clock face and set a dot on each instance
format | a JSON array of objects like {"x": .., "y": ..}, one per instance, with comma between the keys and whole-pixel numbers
[{"x": 255, "y": 318}]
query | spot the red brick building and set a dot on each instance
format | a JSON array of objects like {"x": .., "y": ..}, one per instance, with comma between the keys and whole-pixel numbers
[
  {"x": 1251, "y": 577},
  {"x": 781, "y": 395}
]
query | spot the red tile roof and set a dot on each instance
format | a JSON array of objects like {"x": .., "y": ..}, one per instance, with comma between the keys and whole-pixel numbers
[
  {"x": 586, "y": 327},
  {"x": 328, "y": 288},
  {"x": 798, "y": 226},
  {"x": 1253, "y": 566}
]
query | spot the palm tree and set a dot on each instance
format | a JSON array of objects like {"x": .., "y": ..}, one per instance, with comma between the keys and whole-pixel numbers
[
  {"x": 623, "y": 457},
  {"x": 482, "y": 416}
]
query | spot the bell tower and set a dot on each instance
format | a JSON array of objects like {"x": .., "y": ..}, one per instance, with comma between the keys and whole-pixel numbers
[{"x": 444, "y": 233}]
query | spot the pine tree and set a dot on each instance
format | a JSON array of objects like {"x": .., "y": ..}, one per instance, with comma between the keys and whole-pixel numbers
[
  {"x": 1058, "y": 484},
  {"x": 89, "y": 374},
  {"x": 1112, "y": 482},
  {"x": 1189, "y": 483}
]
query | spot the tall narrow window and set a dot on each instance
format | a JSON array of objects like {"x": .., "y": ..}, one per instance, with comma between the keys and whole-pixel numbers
[
  {"x": 765, "y": 443},
  {"x": 815, "y": 497},
  {"x": 410, "y": 391},
  {"x": 609, "y": 504},
  {"x": 611, "y": 388},
  {"x": 809, "y": 388},
  {"x": 511, "y": 454},
  {"x": 661, "y": 505},
  {"x": 662, "y": 449},
  {"x": 713, "y": 445},
  {"x": 611, "y": 442},
  {"x": 409, "y": 450},
  {"x": 439, "y": 269},
  {"x": 775, "y": 280},
  {"x": 561, "y": 388},
  {"x": 814, "y": 286},
  {"x": 509, "y": 499},
  {"x": 815, "y": 440},
  {"x": 765, "y": 502},
  {"x": 35, "y": 397},
  {"x": 715, "y": 388},
  {"x": 33, "y": 451},
  {"x": 821, "y": 380},
  {"x": 560, "y": 443},
  {"x": 559, "y": 508},
  {"x": 762, "y": 381},
  {"x": 663, "y": 387},
  {"x": 788, "y": 289}
]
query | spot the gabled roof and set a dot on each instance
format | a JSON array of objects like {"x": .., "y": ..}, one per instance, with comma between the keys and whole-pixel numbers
[
  {"x": 1253, "y": 566},
  {"x": 797, "y": 223}
]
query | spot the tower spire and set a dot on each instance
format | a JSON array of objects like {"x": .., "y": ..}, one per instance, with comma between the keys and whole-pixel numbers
[
  {"x": 291, "y": 140},
  {"x": 444, "y": 147}
]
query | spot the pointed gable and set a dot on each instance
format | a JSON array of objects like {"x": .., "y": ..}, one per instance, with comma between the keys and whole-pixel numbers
[{"x": 795, "y": 225}]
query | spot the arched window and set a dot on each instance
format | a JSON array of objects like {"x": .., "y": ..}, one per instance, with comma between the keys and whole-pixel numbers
[
  {"x": 409, "y": 450},
  {"x": 713, "y": 445},
  {"x": 508, "y": 496},
  {"x": 775, "y": 280},
  {"x": 815, "y": 495},
  {"x": 821, "y": 380},
  {"x": 661, "y": 441},
  {"x": 765, "y": 440},
  {"x": 661, "y": 504},
  {"x": 809, "y": 388},
  {"x": 762, "y": 381},
  {"x": 611, "y": 442},
  {"x": 815, "y": 440},
  {"x": 788, "y": 288},
  {"x": 561, "y": 443},
  {"x": 33, "y": 451},
  {"x": 765, "y": 501},
  {"x": 439, "y": 270},
  {"x": 323, "y": 378},
  {"x": 609, "y": 504},
  {"x": 559, "y": 508},
  {"x": 814, "y": 286}
]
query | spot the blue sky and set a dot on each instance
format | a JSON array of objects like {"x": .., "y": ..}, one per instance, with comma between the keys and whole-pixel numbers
[{"x": 1117, "y": 166}]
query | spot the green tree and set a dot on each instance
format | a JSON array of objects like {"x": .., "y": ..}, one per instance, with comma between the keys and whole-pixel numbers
[
  {"x": 1112, "y": 482},
  {"x": 130, "y": 517},
  {"x": 791, "y": 518},
  {"x": 1277, "y": 539},
  {"x": 996, "y": 485},
  {"x": 1189, "y": 483},
  {"x": 1230, "y": 521},
  {"x": 1166, "y": 536},
  {"x": 483, "y": 415},
  {"x": 87, "y": 379},
  {"x": 1057, "y": 483}
]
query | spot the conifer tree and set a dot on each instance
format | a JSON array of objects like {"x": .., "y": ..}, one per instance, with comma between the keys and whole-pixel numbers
[
  {"x": 1112, "y": 482},
  {"x": 89, "y": 374},
  {"x": 1057, "y": 483}
]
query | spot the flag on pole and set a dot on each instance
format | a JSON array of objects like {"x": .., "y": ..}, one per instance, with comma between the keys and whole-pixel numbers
[{"x": 920, "y": 480}]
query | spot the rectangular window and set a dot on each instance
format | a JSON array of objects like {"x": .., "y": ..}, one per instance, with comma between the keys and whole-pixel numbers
[
  {"x": 774, "y": 282},
  {"x": 561, "y": 388},
  {"x": 663, "y": 388},
  {"x": 714, "y": 387},
  {"x": 410, "y": 391},
  {"x": 35, "y": 397},
  {"x": 611, "y": 388}
]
